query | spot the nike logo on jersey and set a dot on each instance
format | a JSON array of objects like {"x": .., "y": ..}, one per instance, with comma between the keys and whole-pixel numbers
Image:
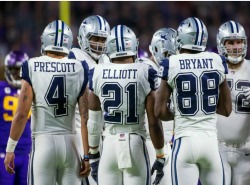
[{"x": 247, "y": 154}]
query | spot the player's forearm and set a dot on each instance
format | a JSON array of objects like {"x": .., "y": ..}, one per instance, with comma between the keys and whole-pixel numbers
[
  {"x": 85, "y": 141},
  {"x": 224, "y": 106},
  {"x": 164, "y": 114},
  {"x": 18, "y": 125},
  {"x": 156, "y": 134}
]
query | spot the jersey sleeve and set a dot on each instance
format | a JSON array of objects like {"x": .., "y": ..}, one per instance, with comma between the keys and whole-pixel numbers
[
  {"x": 224, "y": 63},
  {"x": 91, "y": 73},
  {"x": 164, "y": 69},
  {"x": 24, "y": 73},
  {"x": 152, "y": 78},
  {"x": 71, "y": 55},
  {"x": 85, "y": 81}
]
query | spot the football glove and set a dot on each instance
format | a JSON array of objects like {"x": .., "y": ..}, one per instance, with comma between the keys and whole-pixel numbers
[{"x": 158, "y": 167}]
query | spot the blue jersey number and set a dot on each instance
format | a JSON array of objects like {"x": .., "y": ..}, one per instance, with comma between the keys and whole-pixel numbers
[
  {"x": 56, "y": 95},
  {"x": 241, "y": 103},
  {"x": 119, "y": 102},
  {"x": 188, "y": 95}
]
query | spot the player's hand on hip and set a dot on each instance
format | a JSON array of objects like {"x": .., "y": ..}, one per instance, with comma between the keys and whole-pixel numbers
[
  {"x": 85, "y": 169},
  {"x": 94, "y": 169},
  {"x": 247, "y": 93},
  {"x": 9, "y": 162},
  {"x": 158, "y": 167}
]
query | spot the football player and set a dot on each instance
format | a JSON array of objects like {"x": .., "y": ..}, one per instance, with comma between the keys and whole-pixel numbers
[
  {"x": 196, "y": 79},
  {"x": 92, "y": 35},
  {"x": 123, "y": 90},
  {"x": 162, "y": 46},
  {"x": 52, "y": 85},
  {"x": 234, "y": 131},
  {"x": 9, "y": 93}
]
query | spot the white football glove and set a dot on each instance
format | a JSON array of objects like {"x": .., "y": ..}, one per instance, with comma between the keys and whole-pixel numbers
[{"x": 247, "y": 93}]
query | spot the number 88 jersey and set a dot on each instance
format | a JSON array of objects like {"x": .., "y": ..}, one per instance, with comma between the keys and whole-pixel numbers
[{"x": 195, "y": 80}]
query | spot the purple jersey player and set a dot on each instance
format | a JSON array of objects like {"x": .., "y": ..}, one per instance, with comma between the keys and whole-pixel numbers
[{"x": 9, "y": 92}]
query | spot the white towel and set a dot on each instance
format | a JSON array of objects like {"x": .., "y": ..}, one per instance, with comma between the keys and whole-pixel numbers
[{"x": 123, "y": 151}]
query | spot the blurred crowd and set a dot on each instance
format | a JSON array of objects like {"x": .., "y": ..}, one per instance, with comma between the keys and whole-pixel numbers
[{"x": 22, "y": 23}]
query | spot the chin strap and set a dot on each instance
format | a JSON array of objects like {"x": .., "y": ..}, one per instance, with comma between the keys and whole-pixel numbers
[{"x": 234, "y": 60}]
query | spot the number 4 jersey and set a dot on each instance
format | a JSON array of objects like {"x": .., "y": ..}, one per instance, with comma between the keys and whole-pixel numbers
[
  {"x": 195, "y": 80},
  {"x": 122, "y": 89},
  {"x": 57, "y": 84}
]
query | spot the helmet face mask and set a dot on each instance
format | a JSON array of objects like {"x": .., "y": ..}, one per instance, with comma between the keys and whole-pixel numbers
[
  {"x": 122, "y": 42},
  {"x": 163, "y": 44},
  {"x": 12, "y": 66},
  {"x": 192, "y": 35},
  {"x": 92, "y": 35},
  {"x": 57, "y": 36},
  {"x": 232, "y": 41}
]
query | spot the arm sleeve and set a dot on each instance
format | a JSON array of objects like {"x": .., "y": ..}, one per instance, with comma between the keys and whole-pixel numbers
[{"x": 24, "y": 73}]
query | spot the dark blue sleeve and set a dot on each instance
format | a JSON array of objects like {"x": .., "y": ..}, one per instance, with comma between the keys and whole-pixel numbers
[
  {"x": 25, "y": 72},
  {"x": 91, "y": 73},
  {"x": 164, "y": 67},
  {"x": 71, "y": 55},
  {"x": 224, "y": 62},
  {"x": 152, "y": 77},
  {"x": 85, "y": 82}
]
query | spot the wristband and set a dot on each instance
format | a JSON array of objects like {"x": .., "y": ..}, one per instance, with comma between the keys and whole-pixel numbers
[
  {"x": 94, "y": 156},
  {"x": 86, "y": 157},
  {"x": 94, "y": 150},
  {"x": 11, "y": 145},
  {"x": 159, "y": 152}
]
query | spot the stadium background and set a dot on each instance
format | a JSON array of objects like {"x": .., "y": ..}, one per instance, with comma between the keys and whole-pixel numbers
[{"x": 22, "y": 23}]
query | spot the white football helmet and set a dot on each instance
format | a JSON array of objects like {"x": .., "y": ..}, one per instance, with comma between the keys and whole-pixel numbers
[
  {"x": 97, "y": 26},
  {"x": 12, "y": 65},
  {"x": 163, "y": 44},
  {"x": 122, "y": 42},
  {"x": 231, "y": 30},
  {"x": 192, "y": 34},
  {"x": 57, "y": 36}
]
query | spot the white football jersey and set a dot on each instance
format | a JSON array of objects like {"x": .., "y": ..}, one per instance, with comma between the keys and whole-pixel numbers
[
  {"x": 57, "y": 84},
  {"x": 236, "y": 127},
  {"x": 81, "y": 55},
  {"x": 195, "y": 80},
  {"x": 122, "y": 89},
  {"x": 168, "y": 126}
]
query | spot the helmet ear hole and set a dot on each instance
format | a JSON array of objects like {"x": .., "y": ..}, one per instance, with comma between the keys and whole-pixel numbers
[{"x": 156, "y": 50}]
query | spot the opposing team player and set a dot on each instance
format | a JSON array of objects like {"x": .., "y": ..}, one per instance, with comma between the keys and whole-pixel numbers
[
  {"x": 52, "y": 85},
  {"x": 197, "y": 81},
  {"x": 234, "y": 131},
  {"x": 123, "y": 90},
  {"x": 9, "y": 93},
  {"x": 92, "y": 35}
]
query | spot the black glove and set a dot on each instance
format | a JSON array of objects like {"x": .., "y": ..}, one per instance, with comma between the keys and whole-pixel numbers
[
  {"x": 158, "y": 166},
  {"x": 94, "y": 170}
]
